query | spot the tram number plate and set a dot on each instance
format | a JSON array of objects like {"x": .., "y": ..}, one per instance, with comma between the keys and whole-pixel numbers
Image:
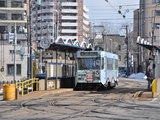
[{"x": 89, "y": 77}]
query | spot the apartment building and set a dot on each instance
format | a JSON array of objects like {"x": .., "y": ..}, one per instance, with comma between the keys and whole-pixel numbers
[
  {"x": 149, "y": 20},
  {"x": 55, "y": 19},
  {"x": 12, "y": 16}
]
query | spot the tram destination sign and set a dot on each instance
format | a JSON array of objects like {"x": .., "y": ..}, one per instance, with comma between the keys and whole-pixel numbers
[{"x": 89, "y": 54}]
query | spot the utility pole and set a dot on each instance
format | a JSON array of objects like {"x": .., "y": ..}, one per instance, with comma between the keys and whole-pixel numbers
[
  {"x": 128, "y": 71},
  {"x": 29, "y": 44},
  {"x": 14, "y": 44}
]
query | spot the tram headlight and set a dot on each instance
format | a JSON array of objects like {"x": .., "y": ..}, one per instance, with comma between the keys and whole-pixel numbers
[{"x": 97, "y": 74}]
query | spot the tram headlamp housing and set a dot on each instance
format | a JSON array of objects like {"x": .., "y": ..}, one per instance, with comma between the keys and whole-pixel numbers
[{"x": 97, "y": 74}]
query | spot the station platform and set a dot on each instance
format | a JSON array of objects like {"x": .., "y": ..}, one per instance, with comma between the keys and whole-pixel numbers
[{"x": 38, "y": 94}]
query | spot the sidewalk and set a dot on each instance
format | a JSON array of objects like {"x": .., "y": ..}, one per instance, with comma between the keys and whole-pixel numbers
[{"x": 38, "y": 94}]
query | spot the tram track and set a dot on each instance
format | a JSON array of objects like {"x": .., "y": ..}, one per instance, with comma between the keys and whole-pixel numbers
[{"x": 80, "y": 104}]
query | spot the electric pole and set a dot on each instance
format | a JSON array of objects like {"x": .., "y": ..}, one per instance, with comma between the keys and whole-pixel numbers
[
  {"x": 14, "y": 44},
  {"x": 128, "y": 70}
]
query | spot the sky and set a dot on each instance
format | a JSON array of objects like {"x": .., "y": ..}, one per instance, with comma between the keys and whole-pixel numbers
[{"x": 101, "y": 11}]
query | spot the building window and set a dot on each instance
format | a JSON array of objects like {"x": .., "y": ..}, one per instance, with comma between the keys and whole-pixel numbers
[
  {"x": 156, "y": 38},
  {"x": 156, "y": 25},
  {"x": 10, "y": 69},
  {"x": 157, "y": 13},
  {"x": 3, "y": 16},
  {"x": 3, "y": 29},
  {"x": 2, "y": 3},
  {"x": 17, "y": 17},
  {"x": 119, "y": 58},
  {"x": 12, "y": 52},
  {"x": 119, "y": 47},
  {"x": 18, "y": 69},
  {"x": 20, "y": 29},
  {"x": 156, "y": 1},
  {"x": 16, "y": 4}
]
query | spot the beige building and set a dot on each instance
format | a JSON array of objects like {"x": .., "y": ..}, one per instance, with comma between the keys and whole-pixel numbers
[
  {"x": 55, "y": 19},
  {"x": 113, "y": 43},
  {"x": 11, "y": 17},
  {"x": 149, "y": 21},
  {"x": 147, "y": 26}
]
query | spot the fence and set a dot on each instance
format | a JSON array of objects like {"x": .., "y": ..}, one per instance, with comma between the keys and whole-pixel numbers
[{"x": 24, "y": 87}]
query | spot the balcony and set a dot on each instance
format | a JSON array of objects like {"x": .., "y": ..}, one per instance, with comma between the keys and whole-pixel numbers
[
  {"x": 69, "y": 24},
  {"x": 69, "y": 11},
  {"x": 24, "y": 7},
  {"x": 44, "y": 31},
  {"x": 85, "y": 28},
  {"x": 47, "y": 4},
  {"x": 69, "y": 30},
  {"x": 85, "y": 8},
  {"x": 33, "y": 13},
  {"x": 47, "y": 17},
  {"x": 85, "y": 22},
  {"x": 85, "y": 15},
  {"x": 69, "y": 17},
  {"x": 69, "y": 4},
  {"x": 68, "y": 37},
  {"x": 13, "y": 21},
  {"x": 45, "y": 24},
  {"x": 47, "y": 11},
  {"x": 19, "y": 36}
]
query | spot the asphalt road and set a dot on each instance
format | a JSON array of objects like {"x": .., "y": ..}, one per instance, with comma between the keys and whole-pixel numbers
[{"x": 114, "y": 104}]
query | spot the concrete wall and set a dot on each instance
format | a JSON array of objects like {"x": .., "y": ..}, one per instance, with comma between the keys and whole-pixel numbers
[{"x": 6, "y": 57}]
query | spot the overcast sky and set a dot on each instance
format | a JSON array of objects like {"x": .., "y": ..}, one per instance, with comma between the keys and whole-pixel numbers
[{"x": 101, "y": 11}]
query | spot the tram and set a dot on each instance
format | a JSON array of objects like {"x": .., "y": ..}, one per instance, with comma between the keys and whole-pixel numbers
[{"x": 96, "y": 70}]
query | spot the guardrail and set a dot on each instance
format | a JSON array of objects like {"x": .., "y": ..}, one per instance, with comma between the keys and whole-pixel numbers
[
  {"x": 24, "y": 87},
  {"x": 27, "y": 86}
]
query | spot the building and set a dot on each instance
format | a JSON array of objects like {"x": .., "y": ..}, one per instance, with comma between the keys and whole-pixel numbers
[
  {"x": 149, "y": 20},
  {"x": 11, "y": 17},
  {"x": 55, "y": 19},
  {"x": 113, "y": 43},
  {"x": 147, "y": 26}
]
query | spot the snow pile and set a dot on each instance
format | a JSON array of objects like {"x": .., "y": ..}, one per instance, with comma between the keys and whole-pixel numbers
[{"x": 138, "y": 76}]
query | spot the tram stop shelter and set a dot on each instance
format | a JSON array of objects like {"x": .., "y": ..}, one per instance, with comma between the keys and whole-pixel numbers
[
  {"x": 155, "y": 52},
  {"x": 60, "y": 65}
]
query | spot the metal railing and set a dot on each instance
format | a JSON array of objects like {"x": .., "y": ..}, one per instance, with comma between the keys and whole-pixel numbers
[
  {"x": 24, "y": 87},
  {"x": 28, "y": 86}
]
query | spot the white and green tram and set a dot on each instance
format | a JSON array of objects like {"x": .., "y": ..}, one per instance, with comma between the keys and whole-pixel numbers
[{"x": 96, "y": 69}]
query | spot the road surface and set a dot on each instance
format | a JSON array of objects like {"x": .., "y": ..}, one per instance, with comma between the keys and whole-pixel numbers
[{"x": 114, "y": 104}]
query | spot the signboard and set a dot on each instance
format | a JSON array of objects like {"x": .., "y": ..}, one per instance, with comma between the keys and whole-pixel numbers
[
  {"x": 89, "y": 53},
  {"x": 45, "y": 44},
  {"x": 10, "y": 37}
]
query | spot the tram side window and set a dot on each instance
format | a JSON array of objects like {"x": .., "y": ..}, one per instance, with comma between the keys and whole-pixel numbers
[
  {"x": 116, "y": 64},
  {"x": 102, "y": 63},
  {"x": 109, "y": 64}
]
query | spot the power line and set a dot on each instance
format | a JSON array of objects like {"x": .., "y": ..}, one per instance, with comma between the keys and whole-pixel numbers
[
  {"x": 122, "y": 18},
  {"x": 125, "y": 5}
]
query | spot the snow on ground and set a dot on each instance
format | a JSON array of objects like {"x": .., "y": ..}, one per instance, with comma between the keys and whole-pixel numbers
[{"x": 138, "y": 76}]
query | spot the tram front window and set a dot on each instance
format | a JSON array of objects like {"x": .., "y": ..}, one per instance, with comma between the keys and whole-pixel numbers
[{"x": 89, "y": 63}]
